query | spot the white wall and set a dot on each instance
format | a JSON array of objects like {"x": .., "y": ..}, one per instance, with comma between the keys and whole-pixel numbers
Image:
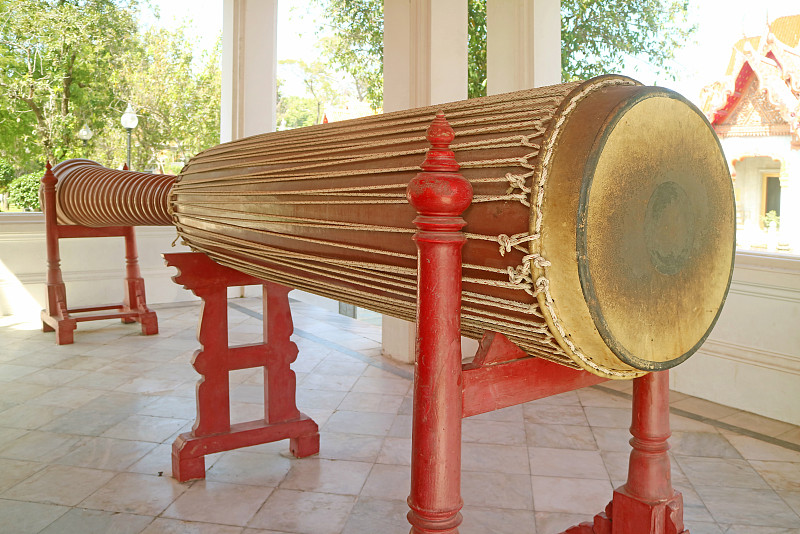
[
  {"x": 751, "y": 360},
  {"x": 93, "y": 268}
]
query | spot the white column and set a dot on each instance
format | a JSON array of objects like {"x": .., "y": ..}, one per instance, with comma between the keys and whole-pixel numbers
[
  {"x": 424, "y": 52},
  {"x": 249, "y": 68},
  {"x": 424, "y": 63},
  {"x": 523, "y": 44}
]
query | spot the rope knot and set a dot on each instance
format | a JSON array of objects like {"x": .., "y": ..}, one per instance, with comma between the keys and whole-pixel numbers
[
  {"x": 509, "y": 242},
  {"x": 517, "y": 181}
]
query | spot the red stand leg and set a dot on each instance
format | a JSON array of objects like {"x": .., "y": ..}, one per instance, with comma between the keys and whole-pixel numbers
[
  {"x": 134, "y": 288},
  {"x": 439, "y": 195},
  {"x": 647, "y": 503},
  {"x": 213, "y": 431}
]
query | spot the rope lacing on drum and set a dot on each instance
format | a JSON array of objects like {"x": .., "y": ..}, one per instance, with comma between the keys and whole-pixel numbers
[
  {"x": 517, "y": 181},
  {"x": 522, "y": 277},
  {"x": 508, "y": 242}
]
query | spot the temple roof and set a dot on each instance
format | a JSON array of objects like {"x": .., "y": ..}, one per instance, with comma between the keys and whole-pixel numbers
[
  {"x": 785, "y": 30},
  {"x": 763, "y": 78}
]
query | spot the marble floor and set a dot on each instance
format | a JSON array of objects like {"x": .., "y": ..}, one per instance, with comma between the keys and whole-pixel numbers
[{"x": 85, "y": 434}]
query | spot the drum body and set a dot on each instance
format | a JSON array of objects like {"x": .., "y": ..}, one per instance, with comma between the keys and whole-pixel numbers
[{"x": 600, "y": 234}]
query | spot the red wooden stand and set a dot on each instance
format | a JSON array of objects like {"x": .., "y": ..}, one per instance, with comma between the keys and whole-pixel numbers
[
  {"x": 502, "y": 375},
  {"x": 213, "y": 431},
  {"x": 62, "y": 319}
]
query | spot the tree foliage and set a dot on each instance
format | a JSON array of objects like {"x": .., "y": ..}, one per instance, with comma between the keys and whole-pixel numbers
[
  {"x": 23, "y": 192},
  {"x": 295, "y": 111},
  {"x": 597, "y": 36},
  {"x": 65, "y": 63},
  {"x": 319, "y": 83},
  {"x": 476, "y": 47},
  {"x": 53, "y": 54},
  {"x": 6, "y": 174},
  {"x": 178, "y": 104},
  {"x": 356, "y": 47}
]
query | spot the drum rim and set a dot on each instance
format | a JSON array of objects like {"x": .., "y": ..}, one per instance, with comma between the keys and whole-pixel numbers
[{"x": 581, "y": 238}]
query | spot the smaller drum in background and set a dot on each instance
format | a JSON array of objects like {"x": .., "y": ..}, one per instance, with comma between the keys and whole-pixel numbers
[{"x": 88, "y": 194}]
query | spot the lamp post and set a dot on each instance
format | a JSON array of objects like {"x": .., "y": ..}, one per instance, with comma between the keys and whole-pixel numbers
[
  {"x": 129, "y": 121},
  {"x": 85, "y": 134}
]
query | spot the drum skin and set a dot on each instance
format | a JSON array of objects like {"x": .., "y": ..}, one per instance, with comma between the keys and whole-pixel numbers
[
  {"x": 601, "y": 233},
  {"x": 638, "y": 223}
]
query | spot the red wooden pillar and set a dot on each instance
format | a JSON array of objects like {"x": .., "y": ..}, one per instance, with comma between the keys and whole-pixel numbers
[
  {"x": 439, "y": 194},
  {"x": 134, "y": 300},
  {"x": 647, "y": 503}
]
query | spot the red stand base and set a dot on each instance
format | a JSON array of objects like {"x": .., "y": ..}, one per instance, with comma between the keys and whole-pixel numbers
[
  {"x": 647, "y": 503},
  {"x": 213, "y": 431},
  {"x": 625, "y": 514},
  {"x": 63, "y": 320}
]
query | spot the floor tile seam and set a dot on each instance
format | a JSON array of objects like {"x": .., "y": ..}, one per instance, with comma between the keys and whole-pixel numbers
[
  {"x": 715, "y": 423},
  {"x": 384, "y": 366},
  {"x": 66, "y": 510},
  {"x": 83, "y": 506},
  {"x": 766, "y": 481},
  {"x": 722, "y": 522}
]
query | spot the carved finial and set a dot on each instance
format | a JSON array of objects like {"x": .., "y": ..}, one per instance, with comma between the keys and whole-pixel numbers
[
  {"x": 49, "y": 177},
  {"x": 124, "y": 166},
  {"x": 439, "y": 190},
  {"x": 440, "y": 133},
  {"x": 440, "y": 158},
  {"x": 325, "y": 118}
]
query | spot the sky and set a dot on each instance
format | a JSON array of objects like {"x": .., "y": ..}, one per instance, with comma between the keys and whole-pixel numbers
[{"x": 720, "y": 24}]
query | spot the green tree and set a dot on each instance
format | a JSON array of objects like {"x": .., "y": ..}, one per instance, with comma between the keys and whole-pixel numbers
[
  {"x": 23, "y": 192},
  {"x": 56, "y": 57},
  {"x": 7, "y": 174},
  {"x": 295, "y": 111},
  {"x": 176, "y": 98},
  {"x": 319, "y": 82},
  {"x": 356, "y": 46},
  {"x": 597, "y": 36},
  {"x": 476, "y": 48}
]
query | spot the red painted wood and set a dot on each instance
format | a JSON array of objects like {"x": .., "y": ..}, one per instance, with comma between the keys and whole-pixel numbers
[
  {"x": 439, "y": 195},
  {"x": 647, "y": 503},
  {"x": 503, "y": 375},
  {"x": 213, "y": 431},
  {"x": 57, "y": 316}
]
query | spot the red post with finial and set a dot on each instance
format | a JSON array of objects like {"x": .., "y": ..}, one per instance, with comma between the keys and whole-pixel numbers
[
  {"x": 56, "y": 300},
  {"x": 439, "y": 194}
]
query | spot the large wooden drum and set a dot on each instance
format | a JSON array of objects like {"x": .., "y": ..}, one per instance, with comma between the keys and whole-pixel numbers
[{"x": 601, "y": 233}]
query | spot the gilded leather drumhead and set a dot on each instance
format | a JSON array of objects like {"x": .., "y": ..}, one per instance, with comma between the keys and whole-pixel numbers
[{"x": 654, "y": 232}]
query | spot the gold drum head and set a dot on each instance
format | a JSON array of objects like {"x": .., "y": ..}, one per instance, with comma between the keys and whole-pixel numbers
[{"x": 640, "y": 269}]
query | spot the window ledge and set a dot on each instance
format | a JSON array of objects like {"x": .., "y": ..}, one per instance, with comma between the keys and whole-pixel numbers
[{"x": 22, "y": 217}]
